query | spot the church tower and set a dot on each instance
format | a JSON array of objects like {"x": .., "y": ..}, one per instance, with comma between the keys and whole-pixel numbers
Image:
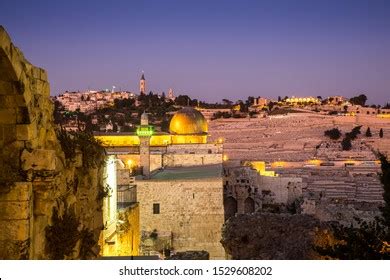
[{"x": 142, "y": 84}]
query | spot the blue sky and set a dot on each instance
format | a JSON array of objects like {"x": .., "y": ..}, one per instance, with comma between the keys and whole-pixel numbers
[{"x": 209, "y": 49}]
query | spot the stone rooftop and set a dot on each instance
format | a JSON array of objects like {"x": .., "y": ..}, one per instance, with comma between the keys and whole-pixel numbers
[{"x": 189, "y": 173}]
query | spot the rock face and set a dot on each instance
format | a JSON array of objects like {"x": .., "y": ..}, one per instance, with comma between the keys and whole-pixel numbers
[
  {"x": 190, "y": 255},
  {"x": 273, "y": 236},
  {"x": 35, "y": 177}
]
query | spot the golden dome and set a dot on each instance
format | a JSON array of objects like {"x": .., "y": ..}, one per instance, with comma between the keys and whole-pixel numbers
[{"x": 188, "y": 121}]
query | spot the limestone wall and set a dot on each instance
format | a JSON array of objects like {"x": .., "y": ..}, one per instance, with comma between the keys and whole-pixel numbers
[
  {"x": 192, "y": 211},
  {"x": 129, "y": 231},
  {"x": 134, "y": 160},
  {"x": 285, "y": 189},
  {"x": 172, "y": 160},
  {"x": 35, "y": 177},
  {"x": 244, "y": 186}
]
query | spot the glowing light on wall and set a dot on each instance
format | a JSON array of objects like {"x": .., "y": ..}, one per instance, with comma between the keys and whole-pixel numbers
[
  {"x": 278, "y": 164},
  {"x": 118, "y": 140},
  {"x": 350, "y": 161},
  {"x": 314, "y": 162},
  {"x": 260, "y": 166},
  {"x": 225, "y": 158}
]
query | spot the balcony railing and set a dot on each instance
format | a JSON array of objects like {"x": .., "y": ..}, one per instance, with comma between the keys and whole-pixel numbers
[{"x": 126, "y": 196}]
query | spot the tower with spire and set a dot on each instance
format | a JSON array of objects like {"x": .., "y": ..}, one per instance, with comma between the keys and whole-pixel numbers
[
  {"x": 142, "y": 84},
  {"x": 171, "y": 96}
]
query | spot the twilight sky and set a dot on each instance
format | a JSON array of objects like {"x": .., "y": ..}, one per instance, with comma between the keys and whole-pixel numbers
[{"x": 210, "y": 49}]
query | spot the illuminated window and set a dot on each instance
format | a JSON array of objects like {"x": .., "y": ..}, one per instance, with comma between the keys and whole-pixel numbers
[{"x": 156, "y": 208}]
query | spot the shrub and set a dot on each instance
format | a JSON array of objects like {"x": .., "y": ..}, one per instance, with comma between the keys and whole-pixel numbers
[
  {"x": 346, "y": 144},
  {"x": 62, "y": 235},
  {"x": 92, "y": 151},
  {"x": 333, "y": 133}
]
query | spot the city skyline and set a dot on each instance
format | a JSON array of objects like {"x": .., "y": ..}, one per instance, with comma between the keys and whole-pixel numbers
[{"x": 210, "y": 51}]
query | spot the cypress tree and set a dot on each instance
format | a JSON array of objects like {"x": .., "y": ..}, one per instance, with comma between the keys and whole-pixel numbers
[{"x": 368, "y": 132}]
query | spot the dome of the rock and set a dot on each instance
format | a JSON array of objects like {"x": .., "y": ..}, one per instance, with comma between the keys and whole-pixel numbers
[{"x": 188, "y": 121}]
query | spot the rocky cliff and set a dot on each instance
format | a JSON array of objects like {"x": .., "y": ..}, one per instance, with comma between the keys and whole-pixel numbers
[{"x": 274, "y": 236}]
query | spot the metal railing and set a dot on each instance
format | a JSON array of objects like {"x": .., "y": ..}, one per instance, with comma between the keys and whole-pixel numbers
[{"x": 126, "y": 195}]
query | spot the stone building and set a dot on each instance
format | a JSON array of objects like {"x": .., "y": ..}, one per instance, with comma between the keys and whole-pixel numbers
[
  {"x": 184, "y": 204},
  {"x": 178, "y": 181},
  {"x": 142, "y": 84},
  {"x": 248, "y": 190},
  {"x": 302, "y": 100}
]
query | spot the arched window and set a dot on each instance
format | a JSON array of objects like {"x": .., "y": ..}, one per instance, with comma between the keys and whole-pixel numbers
[
  {"x": 230, "y": 205},
  {"x": 249, "y": 205}
]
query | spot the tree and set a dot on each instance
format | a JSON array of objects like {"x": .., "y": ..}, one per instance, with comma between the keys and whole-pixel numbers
[
  {"x": 57, "y": 113},
  {"x": 346, "y": 143},
  {"x": 333, "y": 133},
  {"x": 354, "y": 132},
  {"x": 359, "y": 100},
  {"x": 368, "y": 132},
  {"x": 243, "y": 107},
  {"x": 279, "y": 98},
  {"x": 271, "y": 105},
  {"x": 227, "y": 102},
  {"x": 183, "y": 100},
  {"x": 381, "y": 133}
]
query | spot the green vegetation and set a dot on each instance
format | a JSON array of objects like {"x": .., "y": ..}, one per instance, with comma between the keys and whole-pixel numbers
[
  {"x": 87, "y": 242},
  {"x": 154, "y": 234},
  {"x": 63, "y": 234},
  {"x": 359, "y": 100},
  {"x": 219, "y": 115},
  {"x": 368, "y": 132},
  {"x": 333, "y": 133},
  {"x": 126, "y": 112},
  {"x": 104, "y": 191},
  {"x": 354, "y": 132},
  {"x": 91, "y": 149},
  {"x": 346, "y": 144}
]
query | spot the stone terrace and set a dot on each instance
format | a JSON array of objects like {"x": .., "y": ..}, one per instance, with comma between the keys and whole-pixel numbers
[{"x": 292, "y": 137}]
